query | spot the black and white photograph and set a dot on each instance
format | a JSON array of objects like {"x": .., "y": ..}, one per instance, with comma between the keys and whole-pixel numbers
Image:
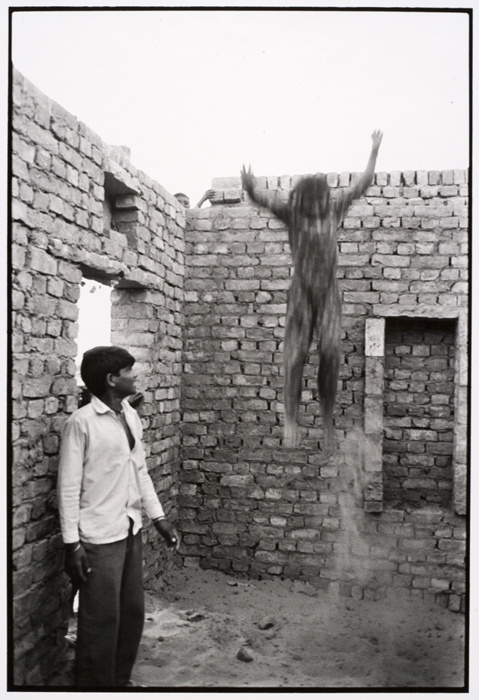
[{"x": 239, "y": 349}]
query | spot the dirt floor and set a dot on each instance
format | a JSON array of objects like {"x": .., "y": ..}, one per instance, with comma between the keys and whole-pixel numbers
[{"x": 212, "y": 630}]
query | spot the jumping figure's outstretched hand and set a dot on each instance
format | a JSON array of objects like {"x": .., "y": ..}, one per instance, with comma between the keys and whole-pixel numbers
[
  {"x": 377, "y": 137},
  {"x": 248, "y": 179}
]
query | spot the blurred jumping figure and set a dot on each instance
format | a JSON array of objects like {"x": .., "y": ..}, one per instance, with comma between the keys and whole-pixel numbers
[{"x": 312, "y": 216}]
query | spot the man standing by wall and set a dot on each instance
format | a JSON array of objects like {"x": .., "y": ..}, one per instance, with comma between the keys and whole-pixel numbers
[{"x": 103, "y": 484}]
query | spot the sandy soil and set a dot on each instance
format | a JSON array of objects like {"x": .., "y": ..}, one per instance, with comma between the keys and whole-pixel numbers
[{"x": 212, "y": 630}]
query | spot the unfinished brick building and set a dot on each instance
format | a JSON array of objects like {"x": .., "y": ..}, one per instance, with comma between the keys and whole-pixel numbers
[{"x": 199, "y": 299}]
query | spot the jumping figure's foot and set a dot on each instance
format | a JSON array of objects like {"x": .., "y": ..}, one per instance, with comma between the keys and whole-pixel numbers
[
  {"x": 291, "y": 435},
  {"x": 329, "y": 437}
]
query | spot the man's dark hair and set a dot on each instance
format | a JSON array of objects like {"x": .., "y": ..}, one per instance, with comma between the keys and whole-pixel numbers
[{"x": 98, "y": 362}]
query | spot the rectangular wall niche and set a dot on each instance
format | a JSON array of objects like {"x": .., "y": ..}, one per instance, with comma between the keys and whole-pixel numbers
[{"x": 418, "y": 412}]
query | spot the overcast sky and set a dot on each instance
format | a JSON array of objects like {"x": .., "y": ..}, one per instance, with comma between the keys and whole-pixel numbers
[{"x": 196, "y": 93}]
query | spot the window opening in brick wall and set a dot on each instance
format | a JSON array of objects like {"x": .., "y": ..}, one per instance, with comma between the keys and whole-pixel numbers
[
  {"x": 418, "y": 412},
  {"x": 120, "y": 207},
  {"x": 94, "y": 319},
  {"x": 109, "y": 212}
]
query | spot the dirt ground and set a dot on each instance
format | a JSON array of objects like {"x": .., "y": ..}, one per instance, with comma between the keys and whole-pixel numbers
[{"x": 212, "y": 630}]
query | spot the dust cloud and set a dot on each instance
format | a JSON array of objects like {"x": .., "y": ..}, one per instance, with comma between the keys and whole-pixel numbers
[{"x": 352, "y": 558}]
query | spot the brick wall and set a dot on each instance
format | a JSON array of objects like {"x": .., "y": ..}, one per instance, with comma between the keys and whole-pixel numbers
[
  {"x": 249, "y": 505},
  {"x": 61, "y": 174},
  {"x": 209, "y": 352}
]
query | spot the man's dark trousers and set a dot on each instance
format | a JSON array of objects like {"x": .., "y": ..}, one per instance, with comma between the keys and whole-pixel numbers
[{"x": 110, "y": 614}]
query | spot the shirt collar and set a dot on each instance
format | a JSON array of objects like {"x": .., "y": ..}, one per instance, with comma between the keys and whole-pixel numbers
[
  {"x": 101, "y": 407},
  {"x": 98, "y": 405}
]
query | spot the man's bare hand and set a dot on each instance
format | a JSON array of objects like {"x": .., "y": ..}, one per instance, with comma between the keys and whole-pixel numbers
[
  {"x": 248, "y": 179},
  {"x": 377, "y": 137},
  {"x": 77, "y": 565},
  {"x": 168, "y": 532},
  {"x": 208, "y": 195}
]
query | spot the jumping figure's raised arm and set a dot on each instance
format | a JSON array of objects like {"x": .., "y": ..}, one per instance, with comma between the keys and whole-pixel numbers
[
  {"x": 367, "y": 177},
  {"x": 362, "y": 184},
  {"x": 266, "y": 198}
]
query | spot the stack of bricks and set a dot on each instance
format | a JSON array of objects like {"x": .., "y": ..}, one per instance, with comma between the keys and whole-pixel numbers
[
  {"x": 247, "y": 504},
  {"x": 60, "y": 173}
]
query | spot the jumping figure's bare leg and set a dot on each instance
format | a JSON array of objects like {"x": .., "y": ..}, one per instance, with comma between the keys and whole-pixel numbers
[
  {"x": 297, "y": 339},
  {"x": 329, "y": 358}
]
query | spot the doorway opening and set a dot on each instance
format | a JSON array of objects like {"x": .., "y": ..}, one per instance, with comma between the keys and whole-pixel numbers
[
  {"x": 94, "y": 322},
  {"x": 419, "y": 412}
]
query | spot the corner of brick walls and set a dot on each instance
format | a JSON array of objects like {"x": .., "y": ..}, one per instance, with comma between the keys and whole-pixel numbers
[{"x": 248, "y": 505}]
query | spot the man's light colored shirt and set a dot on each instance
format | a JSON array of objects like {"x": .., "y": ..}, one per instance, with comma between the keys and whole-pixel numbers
[{"x": 101, "y": 481}]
